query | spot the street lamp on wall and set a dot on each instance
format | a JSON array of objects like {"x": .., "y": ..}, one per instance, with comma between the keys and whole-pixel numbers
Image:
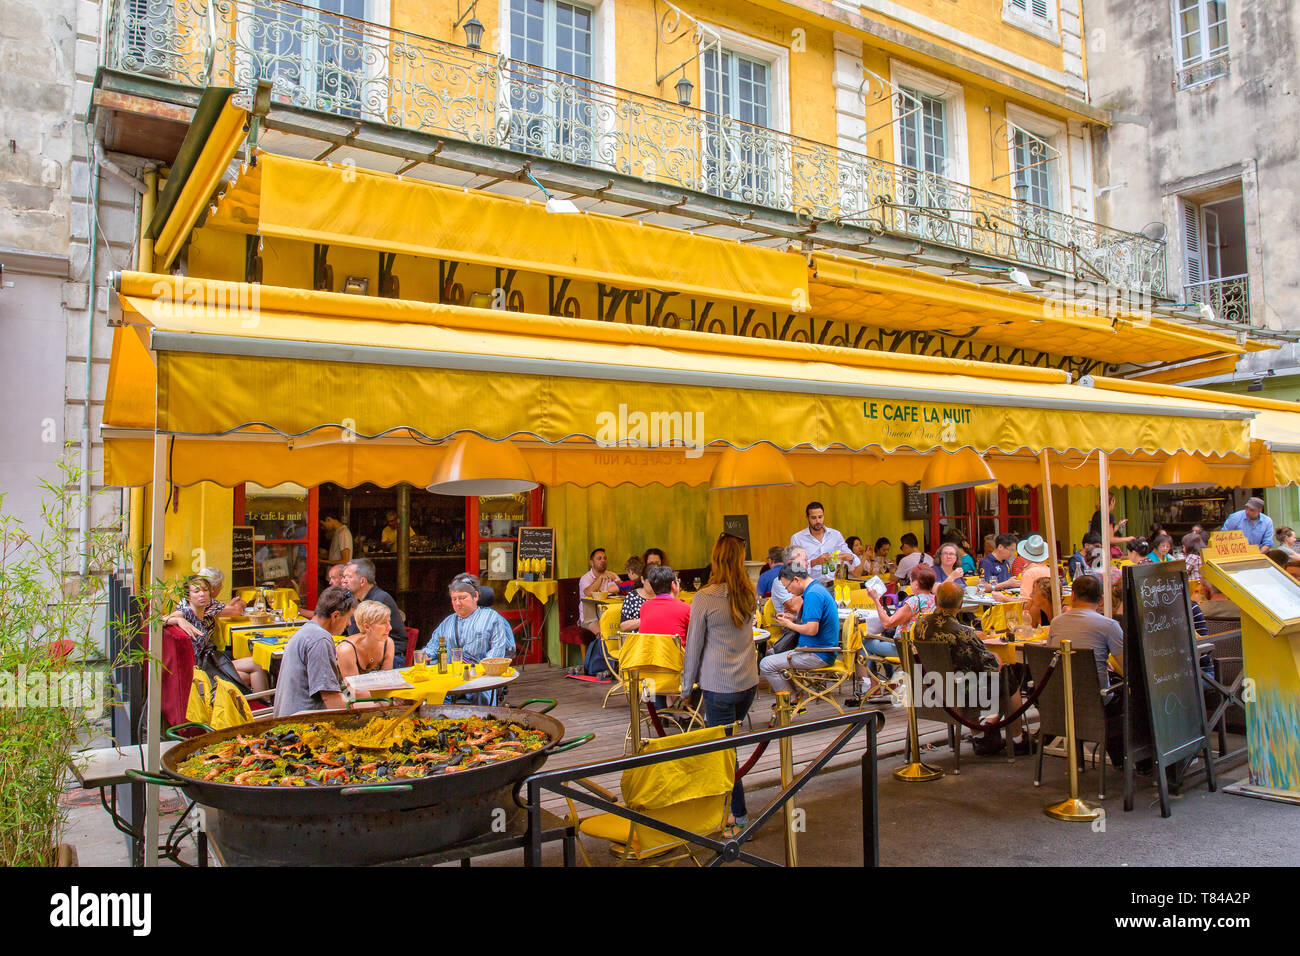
[
  {"x": 1022, "y": 189},
  {"x": 473, "y": 28},
  {"x": 684, "y": 89}
]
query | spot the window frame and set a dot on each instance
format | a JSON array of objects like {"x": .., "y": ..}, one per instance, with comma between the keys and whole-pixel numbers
[
  {"x": 1213, "y": 64},
  {"x": 953, "y": 94},
  {"x": 1045, "y": 27},
  {"x": 1054, "y": 134}
]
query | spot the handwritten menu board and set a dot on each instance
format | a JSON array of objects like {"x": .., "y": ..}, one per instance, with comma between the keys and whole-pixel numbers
[
  {"x": 1166, "y": 707},
  {"x": 537, "y": 542},
  {"x": 916, "y": 505},
  {"x": 243, "y": 567},
  {"x": 739, "y": 526}
]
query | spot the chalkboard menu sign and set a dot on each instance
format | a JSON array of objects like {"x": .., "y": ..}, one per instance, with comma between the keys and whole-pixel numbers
[
  {"x": 916, "y": 505},
  {"x": 1165, "y": 710},
  {"x": 243, "y": 567},
  {"x": 739, "y": 526},
  {"x": 537, "y": 542}
]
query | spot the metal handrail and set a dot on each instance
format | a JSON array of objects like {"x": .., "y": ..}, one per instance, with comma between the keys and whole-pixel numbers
[
  {"x": 368, "y": 71},
  {"x": 730, "y": 849}
]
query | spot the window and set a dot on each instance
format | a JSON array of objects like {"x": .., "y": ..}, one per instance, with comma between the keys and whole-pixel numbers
[
  {"x": 1200, "y": 41},
  {"x": 738, "y": 151},
  {"x": 551, "y": 109},
  {"x": 1033, "y": 16},
  {"x": 923, "y": 133},
  {"x": 1215, "y": 269},
  {"x": 315, "y": 56},
  {"x": 1038, "y": 9},
  {"x": 1032, "y": 160}
]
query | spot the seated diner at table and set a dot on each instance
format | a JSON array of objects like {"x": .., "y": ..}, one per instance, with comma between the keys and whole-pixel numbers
[
  {"x": 1038, "y": 602},
  {"x": 883, "y": 564},
  {"x": 912, "y": 556},
  {"x": 1088, "y": 557},
  {"x": 1137, "y": 551},
  {"x": 631, "y": 580},
  {"x": 1034, "y": 550},
  {"x": 596, "y": 583},
  {"x": 653, "y": 556},
  {"x": 818, "y": 626},
  {"x": 995, "y": 567},
  {"x": 918, "y": 603},
  {"x": 197, "y": 617},
  {"x": 479, "y": 632},
  {"x": 665, "y": 613},
  {"x": 1162, "y": 547},
  {"x": 1087, "y": 629},
  {"x": 949, "y": 566},
  {"x": 371, "y": 647},
  {"x": 970, "y": 656},
  {"x": 782, "y": 598},
  {"x": 775, "y": 557},
  {"x": 309, "y": 670},
  {"x": 862, "y": 570}
]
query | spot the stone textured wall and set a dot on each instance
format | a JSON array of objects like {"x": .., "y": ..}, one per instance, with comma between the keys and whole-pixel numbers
[{"x": 1165, "y": 141}]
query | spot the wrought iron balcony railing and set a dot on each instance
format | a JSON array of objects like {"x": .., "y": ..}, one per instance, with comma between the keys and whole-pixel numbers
[
  {"x": 1229, "y": 297},
  {"x": 350, "y": 67}
]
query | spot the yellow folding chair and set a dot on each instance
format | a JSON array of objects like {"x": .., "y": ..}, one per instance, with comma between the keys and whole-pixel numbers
[
  {"x": 693, "y": 793},
  {"x": 768, "y": 622},
  {"x": 820, "y": 683},
  {"x": 876, "y": 665},
  {"x": 611, "y": 640},
  {"x": 652, "y": 665}
]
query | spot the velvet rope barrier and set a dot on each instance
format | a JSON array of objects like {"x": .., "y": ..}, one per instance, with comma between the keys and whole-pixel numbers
[{"x": 1010, "y": 719}]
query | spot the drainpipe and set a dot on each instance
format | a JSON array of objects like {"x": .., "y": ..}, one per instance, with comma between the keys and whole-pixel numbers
[
  {"x": 93, "y": 238},
  {"x": 143, "y": 263}
]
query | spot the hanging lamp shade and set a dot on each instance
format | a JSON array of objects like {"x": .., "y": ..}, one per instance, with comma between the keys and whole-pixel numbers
[
  {"x": 472, "y": 465},
  {"x": 759, "y": 467},
  {"x": 963, "y": 469},
  {"x": 1182, "y": 470},
  {"x": 1260, "y": 474}
]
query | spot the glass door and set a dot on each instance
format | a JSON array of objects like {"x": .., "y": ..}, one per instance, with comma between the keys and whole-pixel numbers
[
  {"x": 492, "y": 526},
  {"x": 738, "y": 149},
  {"x": 547, "y": 86},
  {"x": 283, "y": 519}
]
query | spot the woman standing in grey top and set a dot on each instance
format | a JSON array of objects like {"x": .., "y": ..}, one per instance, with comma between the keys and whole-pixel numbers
[{"x": 720, "y": 653}]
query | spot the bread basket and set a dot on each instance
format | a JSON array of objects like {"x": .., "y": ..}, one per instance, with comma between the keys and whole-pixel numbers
[{"x": 494, "y": 666}]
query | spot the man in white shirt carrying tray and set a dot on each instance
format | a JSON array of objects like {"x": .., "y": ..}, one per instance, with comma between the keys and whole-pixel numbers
[{"x": 818, "y": 540}]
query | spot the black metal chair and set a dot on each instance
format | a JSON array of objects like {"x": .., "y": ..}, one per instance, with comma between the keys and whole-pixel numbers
[
  {"x": 936, "y": 658},
  {"x": 1089, "y": 711}
]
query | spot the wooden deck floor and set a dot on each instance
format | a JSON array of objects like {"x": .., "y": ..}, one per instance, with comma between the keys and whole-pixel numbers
[{"x": 579, "y": 709}]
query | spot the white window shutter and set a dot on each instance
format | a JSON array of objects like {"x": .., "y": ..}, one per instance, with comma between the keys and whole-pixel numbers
[{"x": 1192, "y": 251}]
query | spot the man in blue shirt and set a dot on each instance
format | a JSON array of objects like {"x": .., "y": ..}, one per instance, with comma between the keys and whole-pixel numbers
[
  {"x": 818, "y": 626},
  {"x": 479, "y": 632},
  {"x": 1253, "y": 523},
  {"x": 995, "y": 568}
]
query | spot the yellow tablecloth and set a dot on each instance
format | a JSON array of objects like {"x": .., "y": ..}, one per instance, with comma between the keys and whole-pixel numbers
[
  {"x": 262, "y": 652},
  {"x": 434, "y": 687},
  {"x": 544, "y": 591},
  {"x": 284, "y": 600}
]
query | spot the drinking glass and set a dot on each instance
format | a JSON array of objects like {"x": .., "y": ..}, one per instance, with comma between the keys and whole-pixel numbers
[
  {"x": 695, "y": 583},
  {"x": 456, "y": 654},
  {"x": 421, "y": 657}
]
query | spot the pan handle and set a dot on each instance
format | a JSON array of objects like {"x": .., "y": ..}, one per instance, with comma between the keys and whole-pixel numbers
[
  {"x": 540, "y": 700},
  {"x": 575, "y": 742},
  {"x": 376, "y": 788},
  {"x": 157, "y": 781},
  {"x": 171, "y": 734}
]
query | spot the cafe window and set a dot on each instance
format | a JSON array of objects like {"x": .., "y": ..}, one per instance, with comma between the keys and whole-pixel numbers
[
  {"x": 978, "y": 512},
  {"x": 283, "y": 534}
]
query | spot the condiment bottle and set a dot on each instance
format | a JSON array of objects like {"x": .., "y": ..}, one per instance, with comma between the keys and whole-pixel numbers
[{"x": 442, "y": 655}]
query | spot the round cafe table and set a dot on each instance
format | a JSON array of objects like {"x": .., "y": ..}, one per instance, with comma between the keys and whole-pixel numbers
[{"x": 433, "y": 688}]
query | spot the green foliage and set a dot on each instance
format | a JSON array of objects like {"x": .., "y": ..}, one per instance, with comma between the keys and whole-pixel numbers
[{"x": 45, "y": 599}]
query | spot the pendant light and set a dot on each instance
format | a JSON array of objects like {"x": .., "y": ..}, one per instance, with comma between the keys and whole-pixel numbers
[
  {"x": 953, "y": 472},
  {"x": 759, "y": 467},
  {"x": 473, "y": 465}
]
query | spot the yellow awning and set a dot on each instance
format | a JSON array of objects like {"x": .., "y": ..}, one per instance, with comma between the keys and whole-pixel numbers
[
  {"x": 227, "y": 134},
  {"x": 909, "y": 300},
  {"x": 331, "y": 204},
  {"x": 268, "y": 460},
  {"x": 232, "y": 356}
]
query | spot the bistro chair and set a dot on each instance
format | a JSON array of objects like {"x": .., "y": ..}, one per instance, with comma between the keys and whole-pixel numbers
[
  {"x": 820, "y": 683},
  {"x": 693, "y": 793},
  {"x": 611, "y": 640},
  {"x": 936, "y": 658},
  {"x": 1089, "y": 709},
  {"x": 652, "y": 666},
  {"x": 881, "y": 665}
]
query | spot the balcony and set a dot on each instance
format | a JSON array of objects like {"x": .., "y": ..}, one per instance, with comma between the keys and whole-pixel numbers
[
  {"x": 330, "y": 63},
  {"x": 1229, "y": 297}
]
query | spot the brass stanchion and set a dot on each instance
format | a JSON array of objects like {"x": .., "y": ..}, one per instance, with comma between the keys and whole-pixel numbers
[
  {"x": 916, "y": 771},
  {"x": 787, "y": 775},
  {"x": 1072, "y": 809}
]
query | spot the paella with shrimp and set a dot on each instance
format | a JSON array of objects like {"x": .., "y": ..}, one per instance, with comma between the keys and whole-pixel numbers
[{"x": 304, "y": 753}]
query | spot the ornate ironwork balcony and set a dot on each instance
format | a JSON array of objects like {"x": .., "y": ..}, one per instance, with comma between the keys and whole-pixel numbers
[
  {"x": 349, "y": 67},
  {"x": 1229, "y": 297}
]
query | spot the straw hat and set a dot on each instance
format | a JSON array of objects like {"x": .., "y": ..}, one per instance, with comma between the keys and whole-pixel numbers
[{"x": 1033, "y": 548}]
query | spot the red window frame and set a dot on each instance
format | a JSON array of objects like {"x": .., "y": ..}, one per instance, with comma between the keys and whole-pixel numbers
[
  {"x": 971, "y": 516},
  {"x": 311, "y": 541}
]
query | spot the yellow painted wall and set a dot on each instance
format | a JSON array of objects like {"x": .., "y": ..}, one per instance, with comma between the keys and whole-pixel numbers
[
  {"x": 685, "y": 522},
  {"x": 196, "y": 530}
]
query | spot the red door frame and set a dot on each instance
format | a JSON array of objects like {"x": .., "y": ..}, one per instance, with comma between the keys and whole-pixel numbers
[
  {"x": 311, "y": 542},
  {"x": 533, "y": 610},
  {"x": 970, "y": 516}
]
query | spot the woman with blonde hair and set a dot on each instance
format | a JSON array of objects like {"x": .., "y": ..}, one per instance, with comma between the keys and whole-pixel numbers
[
  {"x": 371, "y": 648},
  {"x": 720, "y": 646}
]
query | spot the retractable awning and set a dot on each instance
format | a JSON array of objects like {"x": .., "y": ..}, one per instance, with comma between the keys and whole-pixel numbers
[
  {"x": 326, "y": 203},
  {"x": 204, "y": 360}
]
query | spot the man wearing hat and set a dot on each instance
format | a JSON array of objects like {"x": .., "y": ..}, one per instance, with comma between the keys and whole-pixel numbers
[
  {"x": 1253, "y": 523},
  {"x": 1034, "y": 550}
]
